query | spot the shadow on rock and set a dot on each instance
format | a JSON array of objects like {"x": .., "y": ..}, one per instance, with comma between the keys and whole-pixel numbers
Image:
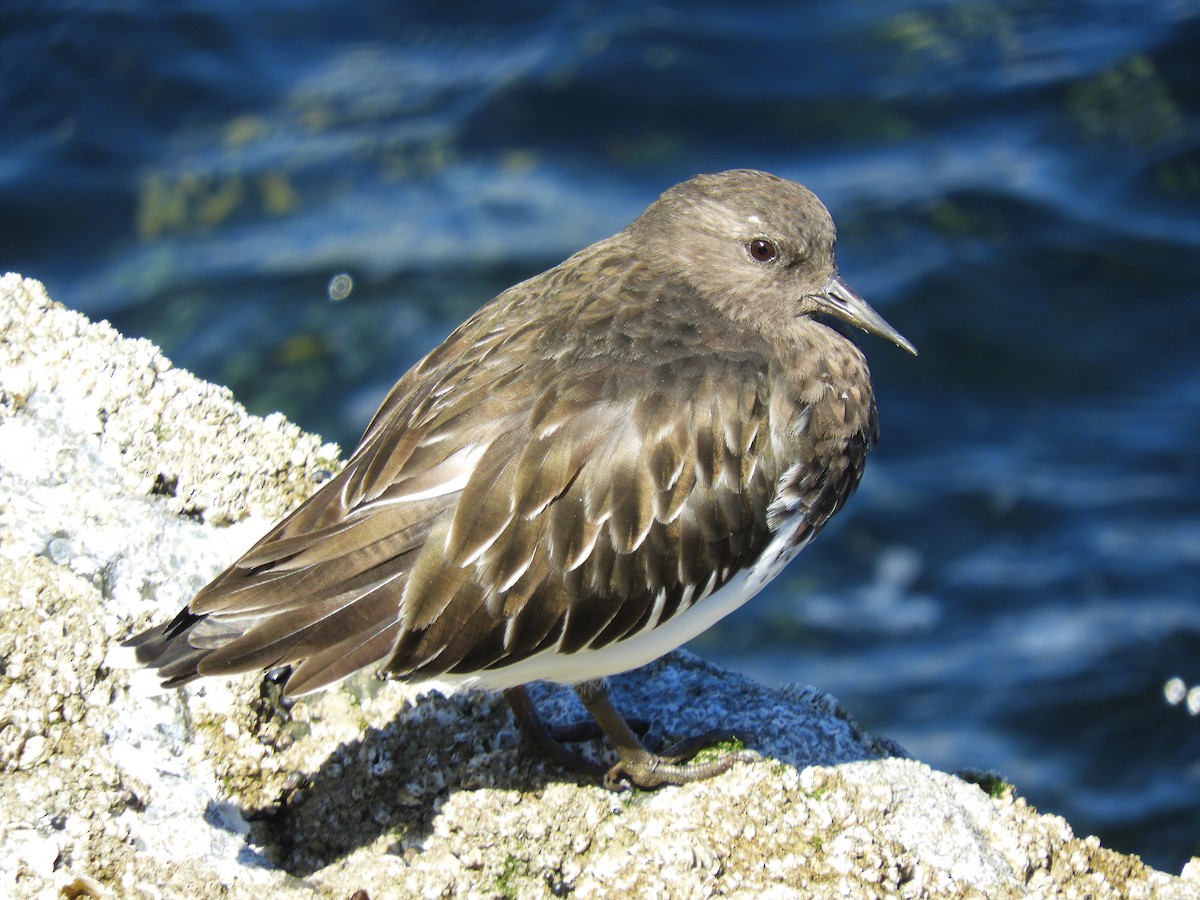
[{"x": 395, "y": 780}]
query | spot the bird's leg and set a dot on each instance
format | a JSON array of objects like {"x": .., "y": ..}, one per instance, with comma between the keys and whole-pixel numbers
[
  {"x": 637, "y": 764},
  {"x": 590, "y": 730},
  {"x": 542, "y": 738},
  {"x": 569, "y": 733}
]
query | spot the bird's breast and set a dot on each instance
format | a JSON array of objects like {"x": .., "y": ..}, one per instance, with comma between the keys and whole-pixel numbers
[{"x": 824, "y": 424}]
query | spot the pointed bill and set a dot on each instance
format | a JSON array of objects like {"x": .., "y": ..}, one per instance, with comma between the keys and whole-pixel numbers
[{"x": 841, "y": 300}]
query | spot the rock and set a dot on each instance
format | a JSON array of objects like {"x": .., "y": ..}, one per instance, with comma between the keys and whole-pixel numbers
[{"x": 125, "y": 484}]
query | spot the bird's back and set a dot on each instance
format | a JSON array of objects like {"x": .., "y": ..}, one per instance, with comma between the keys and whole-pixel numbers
[{"x": 587, "y": 458}]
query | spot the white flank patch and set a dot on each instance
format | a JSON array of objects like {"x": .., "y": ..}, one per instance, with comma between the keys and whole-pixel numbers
[
  {"x": 786, "y": 501},
  {"x": 648, "y": 644}
]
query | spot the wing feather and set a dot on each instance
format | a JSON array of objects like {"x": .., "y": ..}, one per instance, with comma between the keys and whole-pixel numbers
[{"x": 496, "y": 509}]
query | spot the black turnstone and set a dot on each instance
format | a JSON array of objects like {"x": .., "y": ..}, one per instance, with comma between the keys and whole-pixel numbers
[{"x": 591, "y": 470}]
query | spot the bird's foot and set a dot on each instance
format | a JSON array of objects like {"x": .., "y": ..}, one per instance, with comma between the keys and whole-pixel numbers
[
  {"x": 637, "y": 766},
  {"x": 640, "y": 767},
  {"x": 646, "y": 770}
]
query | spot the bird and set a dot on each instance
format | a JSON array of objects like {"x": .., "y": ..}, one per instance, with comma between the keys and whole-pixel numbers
[{"x": 595, "y": 467}]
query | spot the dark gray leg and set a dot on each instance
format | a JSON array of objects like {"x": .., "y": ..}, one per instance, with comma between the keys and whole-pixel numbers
[{"x": 547, "y": 744}]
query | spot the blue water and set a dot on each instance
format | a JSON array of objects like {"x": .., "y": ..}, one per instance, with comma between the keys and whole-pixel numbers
[{"x": 1017, "y": 186}]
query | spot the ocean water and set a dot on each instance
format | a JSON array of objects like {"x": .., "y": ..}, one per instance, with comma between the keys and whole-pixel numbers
[{"x": 1017, "y": 187}]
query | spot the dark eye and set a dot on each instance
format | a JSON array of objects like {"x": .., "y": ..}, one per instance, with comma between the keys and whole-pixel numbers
[{"x": 762, "y": 250}]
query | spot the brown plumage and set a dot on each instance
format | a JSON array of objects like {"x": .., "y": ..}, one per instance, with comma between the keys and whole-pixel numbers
[{"x": 651, "y": 428}]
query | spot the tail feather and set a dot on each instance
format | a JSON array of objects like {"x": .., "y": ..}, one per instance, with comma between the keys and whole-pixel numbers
[{"x": 167, "y": 650}]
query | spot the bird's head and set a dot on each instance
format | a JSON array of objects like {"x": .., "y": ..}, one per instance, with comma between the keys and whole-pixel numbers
[{"x": 759, "y": 247}]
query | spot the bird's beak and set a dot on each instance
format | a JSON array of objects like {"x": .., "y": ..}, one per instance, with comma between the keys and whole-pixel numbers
[{"x": 840, "y": 300}]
